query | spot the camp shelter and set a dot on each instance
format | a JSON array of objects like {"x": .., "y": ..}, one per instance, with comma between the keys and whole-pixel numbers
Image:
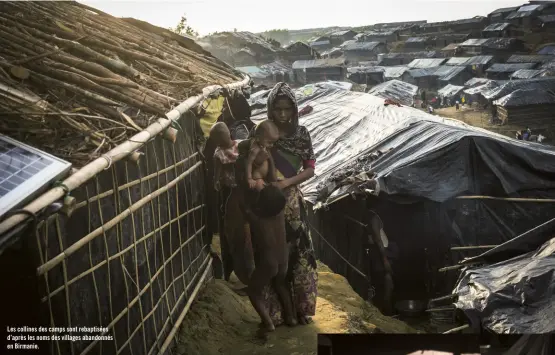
[
  {"x": 335, "y": 52},
  {"x": 342, "y": 36},
  {"x": 396, "y": 72},
  {"x": 504, "y": 88},
  {"x": 242, "y": 48},
  {"x": 120, "y": 242},
  {"x": 503, "y": 29},
  {"x": 378, "y": 36},
  {"x": 300, "y": 51},
  {"x": 457, "y": 61},
  {"x": 456, "y": 75},
  {"x": 423, "y": 63},
  {"x": 516, "y": 281},
  {"x": 451, "y": 50},
  {"x": 504, "y": 71},
  {"x": 527, "y": 58},
  {"x": 426, "y": 163},
  {"x": 423, "y": 78},
  {"x": 369, "y": 76},
  {"x": 355, "y": 51},
  {"x": 311, "y": 71},
  {"x": 321, "y": 43},
  {"x": 475, "y": 82},
  {"x": 269, "y": 74},
  {"x": 526, "y": 106},
  {"x": 527, "y": 73},
  {"x": 392, "y": 59},
  {"x": 450, "y": 92},
  {"x": 418, "y": 43},
  {"x": 547, "y": 22},
  {"x": 396, "y": 90},
  {"x": 499, "y": 15},
  {"x": 478, "y": 64}
]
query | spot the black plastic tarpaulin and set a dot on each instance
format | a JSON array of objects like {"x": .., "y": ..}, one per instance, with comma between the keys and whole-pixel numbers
[
  {"x": 533, "y": 344},
  {"x": 516, "y": 296}
]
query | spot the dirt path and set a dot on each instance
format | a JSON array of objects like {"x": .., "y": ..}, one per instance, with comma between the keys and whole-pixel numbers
[{"x": 222, "y": 322}]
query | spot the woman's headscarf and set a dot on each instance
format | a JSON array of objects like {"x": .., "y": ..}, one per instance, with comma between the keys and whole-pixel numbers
[{"x": 298, "y": 142}]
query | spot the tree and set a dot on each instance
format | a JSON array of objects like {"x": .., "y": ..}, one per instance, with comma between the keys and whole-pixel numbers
[{"x": 183, "y": 28}]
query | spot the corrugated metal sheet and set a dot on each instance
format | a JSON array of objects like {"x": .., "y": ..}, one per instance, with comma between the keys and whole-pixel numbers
[
  {"x": 395, "y": 90},
  {"x": 457, "y": 61},
  {"x": 426, "y": 63},
  {"x": 527, "y": 73},
  {"x": 479, "y": 60},
  {"x": 319, "y": 63},
  {"x": 450, "y": 90},
  {"x": 547, "y": 18},
  {"x": 509, "y": 68},
  {"x": 547, "y": 50},
  {"x": 395, "y": 72},
  {"x": 540, "y": 84},
  {"x": 524, "y": 97},
  {"x": 359, "y": 46},
  {"x": 448, "y": 72},
  {"x": 497, "y": 27},
  {"x": 519, "y": 58},
  {"x": 474, "y": 42},
  {"x": 475, "y": 82},
  {"x": 420, "y": 73}
]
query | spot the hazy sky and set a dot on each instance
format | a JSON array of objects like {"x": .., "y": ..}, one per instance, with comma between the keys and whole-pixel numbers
[{"x": 207, "y": 16}]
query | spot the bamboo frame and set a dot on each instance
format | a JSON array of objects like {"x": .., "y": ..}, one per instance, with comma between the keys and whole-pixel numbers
[
  {"x": 116, "y": 154},
  {"x": 111, "y": 223}
]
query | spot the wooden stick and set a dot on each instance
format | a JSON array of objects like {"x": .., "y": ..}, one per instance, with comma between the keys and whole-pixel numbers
[
  {"x": 471, "y": 247},
  {"x": 441, "y": 309},
  {"x": 510, "y": 199},
  {"x": 113, "y": 222},
  {"x": 442, "y": 298},
  {"x": 116, "y": 154},
  {"x": 179, "y": 320},
  {"x": 457, "y": 329}
]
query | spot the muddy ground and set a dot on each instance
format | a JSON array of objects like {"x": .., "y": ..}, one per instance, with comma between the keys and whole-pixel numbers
[{"x": 223, "y": 322}]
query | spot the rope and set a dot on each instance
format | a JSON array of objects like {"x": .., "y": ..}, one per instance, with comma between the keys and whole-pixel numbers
[
  {"x": 64, "y": 187},
  {"x": 338, "y": 253}
]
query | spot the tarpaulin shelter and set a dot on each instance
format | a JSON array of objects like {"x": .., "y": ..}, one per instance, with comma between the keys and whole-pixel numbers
[{"x": 422, "y": 164}]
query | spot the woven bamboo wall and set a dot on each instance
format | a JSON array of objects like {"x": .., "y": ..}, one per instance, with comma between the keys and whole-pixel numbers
[{"x": 131, "y": 254}]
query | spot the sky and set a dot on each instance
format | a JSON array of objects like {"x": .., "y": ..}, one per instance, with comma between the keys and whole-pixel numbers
[{"x": 207, "y": 16}]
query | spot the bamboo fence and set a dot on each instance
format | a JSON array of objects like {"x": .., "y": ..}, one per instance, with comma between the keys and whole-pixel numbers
[{"x": 132, "y": 255}]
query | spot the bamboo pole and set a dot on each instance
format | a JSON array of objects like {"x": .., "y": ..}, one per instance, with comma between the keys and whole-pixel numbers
[
  {"x": 472, "y": 247},
  {"x": 510, "y": 199},
  {"x": 457, "y": 329},
  {"x": 116, "y": 154},
  {"x": 111, "y": 223},
  {"x": 179, "y": 320}
]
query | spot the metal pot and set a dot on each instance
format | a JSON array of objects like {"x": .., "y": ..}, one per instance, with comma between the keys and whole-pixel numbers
[{"x": 410, "y": 308}]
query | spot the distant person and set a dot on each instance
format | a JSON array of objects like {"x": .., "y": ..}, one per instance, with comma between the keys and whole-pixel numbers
[
  {"x": 457, "y": 107},
  {"x": 423, "y": 96},
  {"x": 463, "y": 100}
]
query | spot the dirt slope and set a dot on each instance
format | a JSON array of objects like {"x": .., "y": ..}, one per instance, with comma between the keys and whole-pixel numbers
[{"x": 222, "y": 322}]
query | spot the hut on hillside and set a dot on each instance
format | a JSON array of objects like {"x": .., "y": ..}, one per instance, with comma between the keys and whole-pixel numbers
[
  {"x": 527, "y": 74},
  {"x": 501, "y": 14},
  {"x": 450, "y": 93},
  {"x": 455, "y": 75},
  {"x": 527, "y": 16},
  {"x": 370, "y": 76},
  {"x": 244, "y": 57},
  {"x": 362, "y": 51},
  {"x": 419, "y": 43},
  {"x": 321, "y": 43},
  {"x": 504, "y": 71},
  {"x": 526, "y": 106},
  {"x": 480, "y": 63},
  {"x": 121, "y": 103},
  {"x": 312, "y": 71},
  {"x": 444, "y": 39},
  {"x": 393, "y": 59},
  {"x": 451, "y": 50},
  {"x": 243, "y": 48},
  {"x": 503, "y": 29},
  {"x": 423, "y": 63},
  {"x": 300, "y": 51},
  {"x": 499, "y": 47},
  {"x": 339, "y": 37},
  {"x": 457, "y": 26},
  {"x": 396, "y": 90},
  {"x": 335, "y": 52},
  {"x": 527, "y": 58},
  {"x": 423, "y": 78},
  {"x": 378, "y": 36},
  {"x": 395, "y": 72},
  {"x": 457, "y": 61}
]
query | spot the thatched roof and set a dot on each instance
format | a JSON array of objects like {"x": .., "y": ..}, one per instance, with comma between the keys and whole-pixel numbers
[{"x": 76, "y": 82}]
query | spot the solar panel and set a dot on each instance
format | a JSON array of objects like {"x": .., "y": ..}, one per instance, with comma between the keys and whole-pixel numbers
[{"x": 25, "y": 172}]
